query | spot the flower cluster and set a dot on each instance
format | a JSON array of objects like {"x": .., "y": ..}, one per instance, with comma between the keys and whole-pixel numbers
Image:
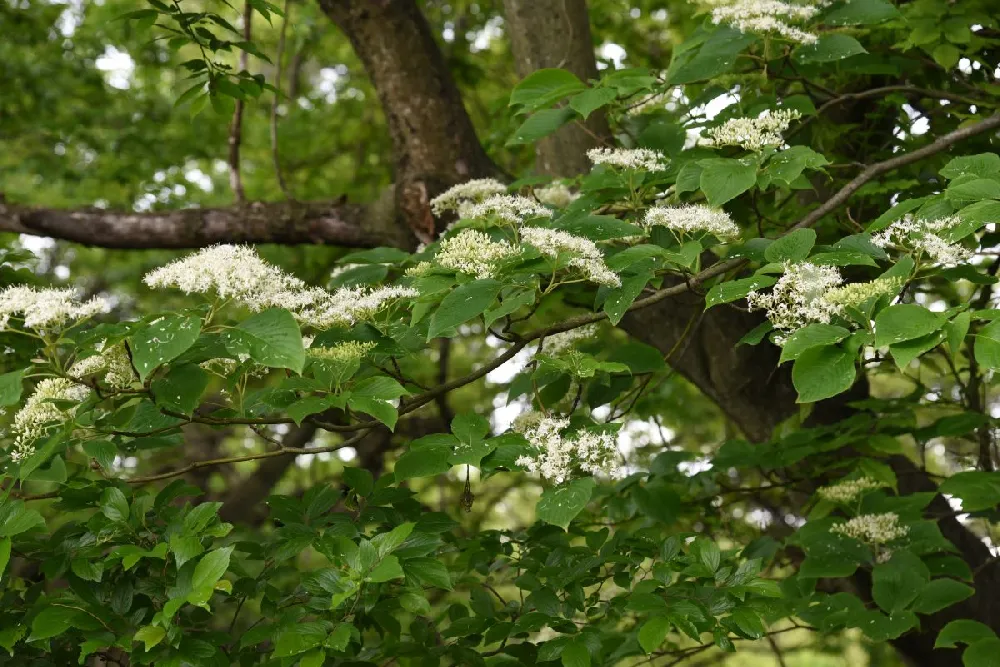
[
  {"x": 342, "y": 353},
  {"x": 857, "y": 293},
  {"x": 112, "y": 361},
  {"x": 875, "y": 529},
  {"x": 768, "y": 16},
  {"x": 558, "y": 343},
  {"x": 643, "y": 159},
  {"x": 585, "y": 256},
  {"x": 752, "y": 134},
  {"x": 237, "y": 273},
  {"x": 509, "y": 208},
  {"x": 46, "y": 308},
  {"x": 848, "y": 490},
  {"x": 924, "y": 236},
  {"x": 39, "y": 413},
  {"x": 692, "y": 219},
  {"x": 459, "y": 197},
  {"x": 473, "y": 252},
  {"x": 799, "y": 296},
  {"x": 349, "y": 305},
  {"x": 557, "y": 195},
  {"x": 556, "y": 457}
]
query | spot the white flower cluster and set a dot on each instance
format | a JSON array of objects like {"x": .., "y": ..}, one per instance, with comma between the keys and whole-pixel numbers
[
  {"x": 692, "y": 219},
  {"x": 924, "y": 236},
  {"x": 342, "y": 353},
  {"x": 873, "y": 529},
  {"x": 473, "y": 252},
  {"x": 113, "y": 362},
  {"x": 557, "y": 457},
  {"x": 459, "y": 197},
  {"x": 558, "y": 343},
  {"x": 46, "y": 308},
  {"x": 643, "y": 159},
  {"x": 509, "y": 208},
  {"x": 39, "y": 413},
  {"x": 557, "y": 195},
  {"x": 857, "y": 293},
  {"x": 234, "y": 272},
  {"x": 349, "y": 305},
  {"x": 237, "y": 273},
  {"x": 799, "y": 296},
  {"x": 752, "y": 134},
  {"x": 586, "y": 257},
  {"x": 848, "y": 490},
  {"x": 768, "y": 16}
]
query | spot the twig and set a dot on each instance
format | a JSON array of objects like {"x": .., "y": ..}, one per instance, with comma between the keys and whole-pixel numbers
[
  {"x": 275, "y": 155},
  {"x": 236, "y": 127}
]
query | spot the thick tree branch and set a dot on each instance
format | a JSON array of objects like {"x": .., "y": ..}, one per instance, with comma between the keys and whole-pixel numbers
[{"x": 335, "y": 223}]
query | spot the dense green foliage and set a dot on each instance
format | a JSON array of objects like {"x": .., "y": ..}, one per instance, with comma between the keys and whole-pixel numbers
[{"x": 626, "y": 517}]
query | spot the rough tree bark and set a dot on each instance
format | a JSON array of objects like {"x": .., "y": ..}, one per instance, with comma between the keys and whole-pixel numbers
[{"x": 556, "y": 33}]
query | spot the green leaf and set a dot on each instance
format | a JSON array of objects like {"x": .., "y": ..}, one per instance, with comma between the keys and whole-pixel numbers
[
  {"x": 591, "y": 100},
  {"x": 386, "y": 543},
  {"x": 788, "y": 165},
  {"x": 210, "y": 568},
  {"x": 4, "y": 555},
  {"x": 708, "y": 553},
  {"x": 905, "y": 321},
  {"x": 939, "y": 594},
  {"x": 896, "y": 583},
  {"x": 114, "y": 505},
  {"x": 340, "y": 637},
  {"x": 722, "y": 179},
  {"x": 985, "y": 165},
  {"x": 982, "y": 653},
  {"x": 559, "y": 505},
  {"x": 387, "y": 570},
  {"x": 821, "y": 372},
  {"x": 829, "y": 48},
  {"x": 424, "y": 462},
  {"x": 462, "y": 304},
  {"x": 150, "y": 636},
  {"x": 544, "y": 87},
  {"x": 180, "y": 389},
  {"x": 963, "y": 631},
  {"x": 967, "y": 192},
  {"x": 299, "y": 638},
  {"x": 715, "y": 56},
  {"x": 791, "y": 247},
  {"x": 599, "y": 227},
  {"x": 575, "y": 654},
  {"x": 428, "y": 571},
  {"x": 15, "y": 519},
  {"x": 860, "y": 12},
  {"x": 162, "y": 340},
  {"x": 987, "y": 348},
  {"x": 810, "y": 336},
  {"x": 956, "y": 331},
  {"x": 620, "y": 299},
  {"x": 52, "y": 621},
  {"x": 314, "y": 658},
  {"x": 541, "y": 124},
  {"x": 471, "y": 430},
  {"x": 978, "y": 489},
  {"x": 10, "y": 387},
  {"x": 271, "y": 338},
  {"x": 653, "y": 632},
  {"x": 905, "y": 352},
  {"x": 733, "y": 290}
]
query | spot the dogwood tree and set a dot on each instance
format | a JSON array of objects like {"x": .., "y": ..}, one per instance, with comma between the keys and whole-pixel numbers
[{"x": 376, "y": 332}]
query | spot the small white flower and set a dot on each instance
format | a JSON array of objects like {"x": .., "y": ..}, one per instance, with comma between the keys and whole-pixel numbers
[
  {"x": 39, "y": 413},
  {"x": 693, "y": 218},
  {"x": 558, "y": 343},
  {"x": 556, "y": 195},
  {"x": 643, "y": 159},
  {"x": 857, "y": 293},
  {"x": 875, "y": 529},
  {"x": 343, "y": 353},
  {"x": 924, "y": 236},
  {"x": 583, "y": 253},
  {"x": 114, "y": 362},
  {"x": 46, "y": 308},
  {"x": 509, "y": 208},
  {"x": 557, "y": 457},
  {"x": 474, "y": 252},
  {"x": 799, "y": 296},
  {"x": 848, "y": 490},
  {"x": 752, "y": 134},
  {"x": 470, "y": 192},
  {"x": 768, "y": 16},
  {"x": 349, "y": 305}
]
